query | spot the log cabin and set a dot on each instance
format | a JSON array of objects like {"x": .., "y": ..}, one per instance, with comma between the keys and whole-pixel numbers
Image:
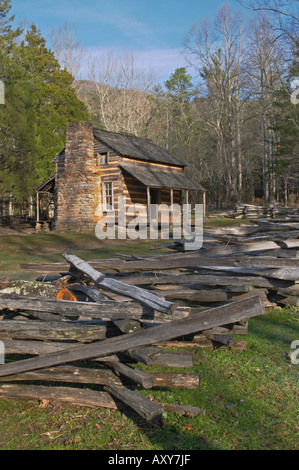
[{"x": 96, "y": 167}]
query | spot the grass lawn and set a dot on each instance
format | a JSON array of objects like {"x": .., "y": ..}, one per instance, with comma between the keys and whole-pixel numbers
[
  {"x": 250, "y": 398},
  {"x": 48, "y": 248}
]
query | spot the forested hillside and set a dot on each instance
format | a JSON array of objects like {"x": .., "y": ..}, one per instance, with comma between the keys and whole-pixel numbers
[
  {"x": 233, "y": 116},
  {"x": 234, "y": 120}
]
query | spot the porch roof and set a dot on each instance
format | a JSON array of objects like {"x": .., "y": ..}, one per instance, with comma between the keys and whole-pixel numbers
[
  {"x": 47, "y": 186},
  {"x": 162, "y": 179}
]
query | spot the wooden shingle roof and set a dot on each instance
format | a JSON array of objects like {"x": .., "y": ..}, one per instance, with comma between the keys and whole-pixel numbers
[
  {"x": 137, "y": 148},
  {"x": 157, "y": 178},
  {"x": 47, "y": 186}
]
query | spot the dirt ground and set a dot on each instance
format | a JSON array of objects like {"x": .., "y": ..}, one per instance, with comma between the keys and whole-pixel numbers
[{"x": 16, "y": 229}]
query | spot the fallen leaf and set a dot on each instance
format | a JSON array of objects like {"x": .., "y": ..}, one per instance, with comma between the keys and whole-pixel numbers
[
  {"x": 280, "y": 426},
  {"x": 44, "y": 403},
  {"x": 230, "y": 407},
  {"x": 188, "y": 427},
  {"x": 217, "y": 398}
]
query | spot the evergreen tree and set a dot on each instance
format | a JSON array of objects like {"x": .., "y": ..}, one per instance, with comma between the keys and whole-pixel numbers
[
  {"x": 57, "y": 103},
  {"x": 180, "y": 92},
  {"x": 7, "y": 34},
  {"x": 286, "y": 125},
  {"x": 16, "y": 115},
  {"x": 39, "y": 103},
  {"x": 180, "y": 86},
  {"x": 18, "y": 147}
]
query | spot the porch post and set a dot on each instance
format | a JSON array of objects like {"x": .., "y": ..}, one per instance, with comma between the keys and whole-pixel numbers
[
  {"x": 187, "y": 198},
  {"x": 37, "y": 206},
  {"x": 148, "y": 203}
]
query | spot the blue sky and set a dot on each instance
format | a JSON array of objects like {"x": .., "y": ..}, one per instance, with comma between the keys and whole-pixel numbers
[{"x": 152, "y": 29}]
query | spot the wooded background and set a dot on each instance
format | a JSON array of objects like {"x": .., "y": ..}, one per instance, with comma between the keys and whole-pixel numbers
[{"x": 232, "y": 116}]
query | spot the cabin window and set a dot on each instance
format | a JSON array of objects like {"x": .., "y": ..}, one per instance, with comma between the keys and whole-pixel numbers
[
  {"x": 102, "y": 158},
  {"x": 108, "y": 196}
]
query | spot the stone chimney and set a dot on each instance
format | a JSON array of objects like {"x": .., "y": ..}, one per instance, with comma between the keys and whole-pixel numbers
[{"x": 75, "y": 180}]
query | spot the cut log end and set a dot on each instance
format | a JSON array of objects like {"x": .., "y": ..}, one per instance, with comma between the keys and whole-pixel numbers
[{"x": 66, "y": 294}]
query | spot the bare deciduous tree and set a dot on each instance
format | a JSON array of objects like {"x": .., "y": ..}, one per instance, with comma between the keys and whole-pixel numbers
[
  {"x": 265, "y": 77},
  {"x": 284, "y": 14},
  {"x": 123, "y": 101},
  {"x": 68, "y": 48},
  {"x": 216, "y": 51}
]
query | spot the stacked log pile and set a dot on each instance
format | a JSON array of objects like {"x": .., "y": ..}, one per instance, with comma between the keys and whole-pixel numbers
[
  {"x": 244, "y": 211},
  {"x": 233, "y": 264},
  {"x": 100, "y": 339},
  {"x": 251, "y": 211},
  {"x": 94, "y": 323}
]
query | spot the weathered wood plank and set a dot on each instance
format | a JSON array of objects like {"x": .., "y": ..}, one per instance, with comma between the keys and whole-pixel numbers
[
  {"x": 285, "y": 274},
  {"x": 205, "y": 343},
  {"x": 154, "y": 355},
  {"x": 210, "y": 296},
  {"x": 68, "y": 374},
  {"x": 146, "y": 408},
  {"x": 164, "y": 262},
  {"x": 141, "y": 295},
  {"x": 46, "y": 316},
  {"x": 34, "y": 347},
  {"x": 58, "y": 331},
  {"x": 74, "y": 396},
  {"x": 83, "y": 375},
  {"x": 104, "y": 310},
  {"x": 150, "y": 355},
  {"x": 291, "y": 243},
  {"x": 89, "y": 291},
  {"x": 221, "y": 339},
  {"x": 241, "y": 310},
  {"x": 205, "y": 279},
  {"x": 84, "y": 268},
  {"x": 139, "y": 377},
  {"x": 229, "y": 250},
  {"x": 168, "y": 379},
  {"x": 128, "y": 326}
]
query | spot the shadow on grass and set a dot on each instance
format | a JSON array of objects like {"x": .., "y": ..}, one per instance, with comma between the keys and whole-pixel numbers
[
  {"x": 168, "y": 437},
  {"x": 276, "y": 329}
]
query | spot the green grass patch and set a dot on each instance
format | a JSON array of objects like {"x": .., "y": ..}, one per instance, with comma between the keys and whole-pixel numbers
[{"x": 43, "y": 248}]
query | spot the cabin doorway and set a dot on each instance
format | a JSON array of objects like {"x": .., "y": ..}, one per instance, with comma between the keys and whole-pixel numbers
[{"x": 154, "y": 196}]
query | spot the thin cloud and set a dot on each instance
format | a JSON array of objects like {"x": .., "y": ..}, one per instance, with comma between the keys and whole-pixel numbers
[{"x": 161, "y": 62}]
